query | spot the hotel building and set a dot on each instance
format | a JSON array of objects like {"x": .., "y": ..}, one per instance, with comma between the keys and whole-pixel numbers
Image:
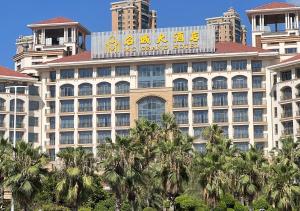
[{"x": 88, "y": 96}]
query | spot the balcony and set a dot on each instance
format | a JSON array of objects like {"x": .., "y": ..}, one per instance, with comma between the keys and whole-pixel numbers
[
  {"x": 287, "y": 132},
  {"x": 286, "y": 97},
  {"x": 287, "y": 114},
  {"x": 260, "y": 135},
  {"x": 85, "y": 109},
  {"x": 240, "y": 102},
  {"x": 85, "y": 125}
]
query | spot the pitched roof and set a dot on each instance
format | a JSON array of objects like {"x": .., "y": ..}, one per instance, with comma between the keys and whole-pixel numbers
[
  {"x": 292, "y": 59},
  {"x": 57, "y": 20},
  {"x": 11, "y": 73},
  {"x": 274, "y": 5},
  {"x": 84, "y": 56}
]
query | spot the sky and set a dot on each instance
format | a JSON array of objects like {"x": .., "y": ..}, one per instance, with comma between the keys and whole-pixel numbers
[{"x": 96, "y": 15}]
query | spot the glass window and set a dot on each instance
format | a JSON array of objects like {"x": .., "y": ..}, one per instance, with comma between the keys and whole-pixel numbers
[
  {"x": 240, "y": 98},
  {"x": 199, "y": 67},
  {"x": 51, "y": 154},
  {"x": 122, "y": 120},
  {"x": 104, "y": 72},
  {"x": 52, "y": 122},
  {"x": 33, "y": 90},
  {"x": 257, "y": 81},
  {"x": 220, "y": 99},
  {"x": 290, "y": 50},
  {"x": 19, "y": 122},
  {"x": 52, "y": 76},
  {"x": 20, "y": 105},
  {"x": 104, "y": 120},
  {"x": 225, "y": 131},
  {"x": 239, "y": 82},
  {"x": 256, "y": 65},
  {"x": 104, "y": 88},
  {"x": 122, "y": 103},
  {"x": 103, "y": 135},
  {"x": 200, "y": 117},
  {"x": 151, "y": 108},
  {"x": 240, "y": 115},
  {"x": 180, "y": 101},
  {"x": 242, "y": 146},
  {"x": 103, "y": 104},
  {"x": 181, "y": 117},
  {"x": 258, "y": 115},
  {"x": 66, "y": 138},
  {"x": 258, "y": 98},
  {"x": 67, "y": 122},
  {"x": 33, "y": 137},
  {"x": 2, "y": 104},
  {"x": 201, "y": 148},
  {"x": 180, "y": 85},
  {"x": 2, "y": 87},
  {"x": 240, "y": 131},
  {"x": 151, "y": 76},
  {"x": 52, "y": 139},
  {"x": 200, "y": 84},
  {"x": 33, "y": 121},
  {"x": 85, "y": 89},
  {"x": 85, "y": 105},
  {"x": 19, "y": 135},
  {"x": 219, "y": 65},
  {"x": 123, "y": 71},
  {"x": 67, "y": 90},
  {"x": 198, "y": 132},
  {"x": 260, "y": 145},
  {"x": 52, "y": 90},
  {"x": 34, "y": 105},
  {"x": 286, "y": 75},
  {"x": 85, "y": 137},
  {"x": 219, "y": 83},
  {"x": 66, "y": 106},
  {"x": 239, "y": 64},
  {"x": 259, "y": 131},
  {"x": 200, "y": 100},
  {"x": 85, "y": 73},
  {"x": 122, "y": 133},
  {"x": 220, "y": 116},
  {"x": 180, "y": 68},
  {"x": 85, "y": 121},
  {"x": 66, "y": 74},
  {"x": 122, "y": 87}
]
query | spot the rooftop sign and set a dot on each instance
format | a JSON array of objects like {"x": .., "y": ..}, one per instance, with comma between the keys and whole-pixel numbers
[{"x": 163, "y": 41}]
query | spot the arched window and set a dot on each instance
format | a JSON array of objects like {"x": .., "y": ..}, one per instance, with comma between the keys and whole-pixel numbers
[
  {"x": 20, "y": 105},
  {"x": 2, "y": 104},
  {"x": 85, "y": 89},
  {"x": 67, "y": 90},
  {"x": 122, "y": 87},
  {"x": 239, "y": 81},
  {"x": 200, "y": 83},
  {"x": 104, "y": 88},
  {"x": 151, "y": 108},
  {"x": 286, "y": 93},
  {"x": 219, "y": 82},
  {"x": 180, "y": 85}
]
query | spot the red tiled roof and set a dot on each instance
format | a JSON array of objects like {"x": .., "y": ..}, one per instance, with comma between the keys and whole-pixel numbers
[
  {"x": 222, "y": 47},
  {"x": 11, "y": 73},
  {"x": 274, "y": 5},
  {"x": 294, "y": 58},
  {"x": 56, "y": 20}
]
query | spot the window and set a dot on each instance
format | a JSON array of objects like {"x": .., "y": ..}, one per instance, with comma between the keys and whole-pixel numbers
[
  {"x": 122, "y": 87},
  {"x": 122, "y": 133},
  {"x": 286, "y": 93},
  {"x": 242, "y": 146},
  {"x": 104, "y": 104},
  {"x": 85, "y": 73},
  {"x": 240, "y": 115},
  {"x": 66, "y": 74},
  {"x": 201, "y": 148},
  {"x": 200, "y": 117},
  {"x": 19, "y": 135},
  {"x": 104, "y": 88},
  {"x": 66, "y": 138},
  {"x": 258, "y": 115},
  {"x": 151, "y": 108},
  {"x": 2, "y": 104},
  {"x": 220, "y": 99},
  {"x": 181, "y": 117},
  {"x": 286, "y": 75},
  {"x": 122, "y": 120},
  {"x": 51, "y": 154},
  {"x": 52, "y": 90},
  {"x": 239, "y": 82},
  {"x": 2, "y": 87},
  {"x": 240, "y": 131},
  {"x": 297, "y": 73},
  {"x": 20, "y": 105},
  {"x": 85, "y": 137},
  {"x": 104, "y": 120},
  {"x": 290, "y": 50},
  {"x": 85, "y": 121},
  {"x": 85, "y": 105},
  {"x": 180, "y": 101},
  {"x": 67, "y": 122},
  {"x": 180, "y": 85},
  {"x": 199, "y": 67},
  {"x": 33, "y": 90},
  {"x": 33, "y": 137},
  {"x": 52, "y": 122},
  {"x": 258, "y": 131},
  {"x": 33, "y": 121},
  {"x": 258, "y": 98},
  {"x": 220, "y": 116},
  {"x": 52, "y": 76},
  {"x": 85, "y": 89},
  {"x": 240, "y": 98},
  {"x": 103, "y": 135},
  {"x": 180, "y": 68},
  {"x": 123, "y": 71},
  {"x": 225, "y": 131},
  {"x": 104, "y": 72},
  {"x": 239, "y": 64},
  {"x": 199, "y": 100},
  {"x": 151, "y": 76},
  {"x": 67, "y": 90},
  {"x": 66, "y": 106},
  {"x": 219, "y": 65},
  {"x": 257, "y": 81},
  {"x": 198, "y": 132},
  {"x": 19, "y": 122},
  {"x": 200, "y": 84},
  {"x": 34, "y": 105},
  {"x": 122, "y": 103},
  {"x": 256, "y": 65},
  {"x": 219, "y": 83},
  {"x": 52, "y": 139}
]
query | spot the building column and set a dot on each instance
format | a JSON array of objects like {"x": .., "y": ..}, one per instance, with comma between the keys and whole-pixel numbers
[
  {"x": 260, "y": 23},
  {"x": 286, "y": 21}
]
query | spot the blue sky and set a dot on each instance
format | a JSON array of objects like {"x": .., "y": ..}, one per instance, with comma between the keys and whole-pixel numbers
[{"x": 95, "y": 15}]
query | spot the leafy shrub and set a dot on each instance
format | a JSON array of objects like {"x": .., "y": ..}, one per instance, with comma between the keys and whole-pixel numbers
[
  {"x": 221, "y": 206},
  {"x": 54, "y": 207},
  {"x": 239, "y": 207},
  {"x": 261, "y": 203},
  {"x": 186, "y": 202},
  {"x": 229, "y": 200},
  {"x": 126, "y": 207},
  {"x": 85, "y": 209},
  {"x": 149, "y": 209},
  {"x": 106, "y": 205}
]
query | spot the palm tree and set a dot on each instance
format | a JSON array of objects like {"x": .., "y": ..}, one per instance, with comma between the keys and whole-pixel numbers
[
  {"x": 75, "y": 176},
  {"x": 25, "y": 173}
]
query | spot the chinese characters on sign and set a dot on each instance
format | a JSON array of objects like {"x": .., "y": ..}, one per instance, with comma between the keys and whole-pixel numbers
[{"x": 168, "y": 41}]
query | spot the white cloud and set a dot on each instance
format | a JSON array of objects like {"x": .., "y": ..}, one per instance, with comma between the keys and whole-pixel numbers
[{"x": 296, "y": 2}]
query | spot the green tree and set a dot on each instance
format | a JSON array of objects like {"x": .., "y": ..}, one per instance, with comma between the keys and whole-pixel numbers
[
  {"x": 25, "y": 173},
  {"x": 75, "y": 176}
]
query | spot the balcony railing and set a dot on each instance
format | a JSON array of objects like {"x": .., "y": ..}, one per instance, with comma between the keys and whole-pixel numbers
[
  {"x": 287, "y": 131},
  {"x": 286, "y": 97},
  {"x": 2, "y": 108},
  {"x": 103, "y": 124},
  {"x": 287, "y": 114},
  {"x": 240, "y": 102},
  {"x": 85, "y": 108}
]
